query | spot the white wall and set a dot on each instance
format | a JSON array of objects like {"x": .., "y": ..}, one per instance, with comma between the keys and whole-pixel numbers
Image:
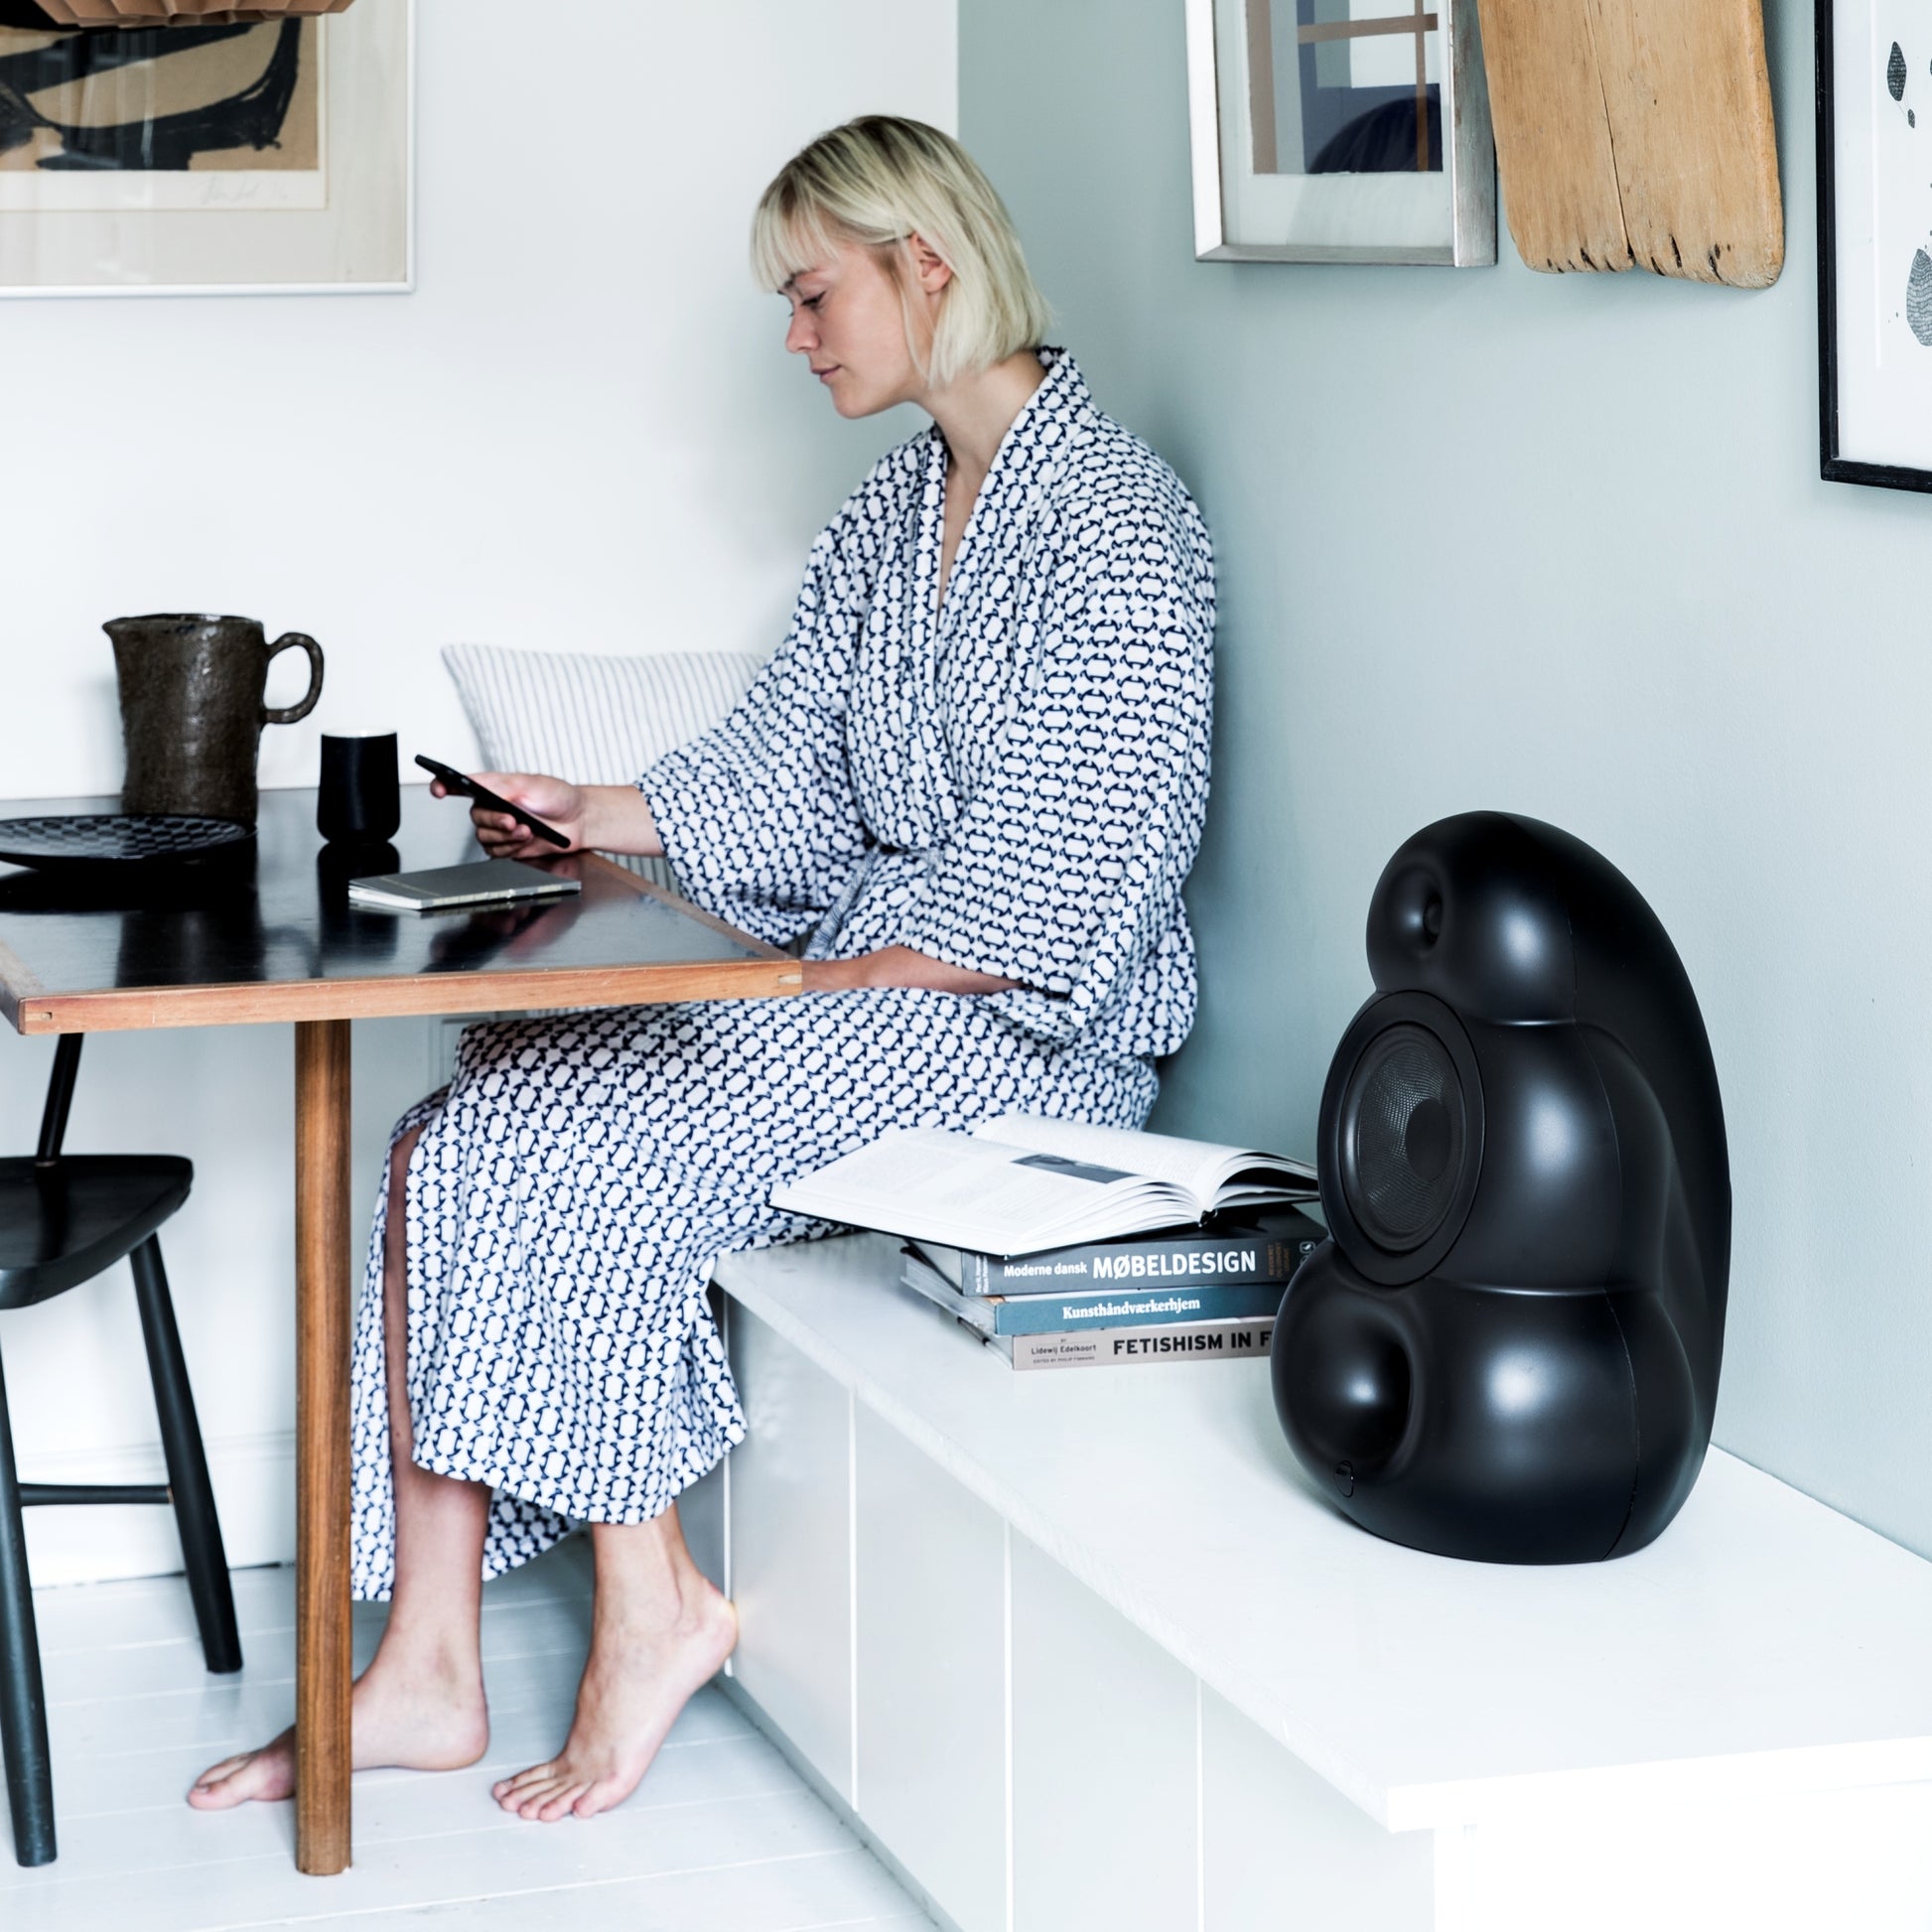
[
  {"x": 580, "y": 432},
  {"x": 1554, "y": 544}
]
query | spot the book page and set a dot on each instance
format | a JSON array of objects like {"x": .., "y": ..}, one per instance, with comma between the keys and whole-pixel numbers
[
  {"x": 1199, "y": 1166},
  {"x": 979, "y": 1193},
  {"x": 933, "y": 1167}
]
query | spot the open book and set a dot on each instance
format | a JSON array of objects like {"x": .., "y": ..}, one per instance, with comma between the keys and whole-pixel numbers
[{"x": 1020, "y": 1183}]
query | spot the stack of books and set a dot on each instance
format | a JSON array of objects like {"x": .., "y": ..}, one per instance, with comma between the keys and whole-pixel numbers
[
  {"x": 1068, "y": 1246},
  {"x": 1203, "y": 1292}
]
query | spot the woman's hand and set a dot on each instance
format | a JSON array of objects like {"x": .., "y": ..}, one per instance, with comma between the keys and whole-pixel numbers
[
  {"x": 556, "y": 801},
  {"x": 601, "y": 818}
]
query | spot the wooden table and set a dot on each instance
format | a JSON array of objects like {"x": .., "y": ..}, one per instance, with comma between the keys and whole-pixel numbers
[{"x": 274, "y": 938}]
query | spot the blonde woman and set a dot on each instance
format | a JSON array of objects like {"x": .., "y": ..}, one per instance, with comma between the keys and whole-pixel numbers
[{"x": 974, "y": 774}]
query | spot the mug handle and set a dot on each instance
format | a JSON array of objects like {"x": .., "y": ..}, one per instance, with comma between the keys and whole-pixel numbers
[{"x": 289, "y": 714}]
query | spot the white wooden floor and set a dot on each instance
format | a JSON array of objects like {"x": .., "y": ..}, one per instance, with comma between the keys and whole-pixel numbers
[{"x": 723, "y": 1837}]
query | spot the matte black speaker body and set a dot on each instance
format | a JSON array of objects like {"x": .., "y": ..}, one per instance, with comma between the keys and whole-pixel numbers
[{"x": 1510, "y": 1351}]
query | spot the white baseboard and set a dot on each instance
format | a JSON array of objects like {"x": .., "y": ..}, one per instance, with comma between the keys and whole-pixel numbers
[{"x": 254, "y": 1494}]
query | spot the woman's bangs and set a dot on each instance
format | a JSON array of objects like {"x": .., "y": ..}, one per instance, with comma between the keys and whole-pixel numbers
[{"x": 788, "y": 237}]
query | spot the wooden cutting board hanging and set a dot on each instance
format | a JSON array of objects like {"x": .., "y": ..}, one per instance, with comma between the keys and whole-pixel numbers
[{"x": 1636, "y": 134}]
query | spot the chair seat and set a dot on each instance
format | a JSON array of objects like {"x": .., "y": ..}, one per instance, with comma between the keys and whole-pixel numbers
[{"x": 61, "y": 1225}]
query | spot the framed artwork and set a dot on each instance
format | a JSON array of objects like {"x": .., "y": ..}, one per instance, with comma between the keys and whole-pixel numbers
[
  {"x": 201, "y": 160},
  {"x": 1874, "y": 242},
  {"x": 1340, "y": 131}
]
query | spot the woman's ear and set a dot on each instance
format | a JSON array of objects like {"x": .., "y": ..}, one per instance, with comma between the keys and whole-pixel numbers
[{"x": 930, "y": 268}]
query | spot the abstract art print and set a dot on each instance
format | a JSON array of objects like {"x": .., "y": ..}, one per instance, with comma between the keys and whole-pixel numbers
[
  {"x": 1341, "y": 130},
  {"x": 238, "y": 156},
  {"x": 1874, "y": 242}
]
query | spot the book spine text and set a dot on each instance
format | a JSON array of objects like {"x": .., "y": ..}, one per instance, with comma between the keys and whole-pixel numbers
[
  {"x": 1122, "y": 1347},
  {"x": 1036, "y": 1315},
  {"x": 1136, "y": 1262}
]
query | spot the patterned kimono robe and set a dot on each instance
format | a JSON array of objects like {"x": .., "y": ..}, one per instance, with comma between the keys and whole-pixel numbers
[{"x": 1013, "y": 781}]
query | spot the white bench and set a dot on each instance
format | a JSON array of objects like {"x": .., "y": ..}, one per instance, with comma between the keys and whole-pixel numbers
[{"x": 1082, "y": 1649}]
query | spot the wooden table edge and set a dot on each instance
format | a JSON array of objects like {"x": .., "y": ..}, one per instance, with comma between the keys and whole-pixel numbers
[
  {"x": 31, "y": 1008},
  {"x": 146, "y": 1008}
]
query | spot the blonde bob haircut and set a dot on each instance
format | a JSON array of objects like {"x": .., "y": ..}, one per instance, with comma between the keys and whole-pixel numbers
[{"x": 878, "y": 182}]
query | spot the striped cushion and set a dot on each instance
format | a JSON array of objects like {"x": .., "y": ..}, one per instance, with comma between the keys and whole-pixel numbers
[
  {"x": 599, "y": 720},
  {"x": 596, "y": 720}
]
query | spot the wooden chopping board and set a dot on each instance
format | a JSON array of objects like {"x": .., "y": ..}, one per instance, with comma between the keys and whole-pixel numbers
[{"x": 1637, "y": 133}]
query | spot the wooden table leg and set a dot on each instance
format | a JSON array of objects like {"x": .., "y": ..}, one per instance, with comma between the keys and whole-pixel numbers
[{"x": 322, "y": 1317}]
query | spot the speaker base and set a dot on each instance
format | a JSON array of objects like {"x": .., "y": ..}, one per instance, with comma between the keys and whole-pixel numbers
[{"x": 1500, "y": 1425}]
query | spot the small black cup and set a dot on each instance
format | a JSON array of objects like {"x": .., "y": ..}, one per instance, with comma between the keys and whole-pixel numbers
[{"x": 358, "y": 801}]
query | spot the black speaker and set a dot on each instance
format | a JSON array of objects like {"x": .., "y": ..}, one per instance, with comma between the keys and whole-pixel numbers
[{"x": 1509, "y": 1349}]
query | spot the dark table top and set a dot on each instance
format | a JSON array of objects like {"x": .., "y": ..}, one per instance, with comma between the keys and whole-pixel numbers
[{"x": 271, "y": 935}]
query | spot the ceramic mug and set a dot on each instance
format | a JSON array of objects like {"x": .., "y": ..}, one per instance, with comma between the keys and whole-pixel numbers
[{"x": 358, "y": 799}]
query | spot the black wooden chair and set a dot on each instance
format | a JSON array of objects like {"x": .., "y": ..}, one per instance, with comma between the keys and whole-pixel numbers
[{"x": 64, "y": 1218}]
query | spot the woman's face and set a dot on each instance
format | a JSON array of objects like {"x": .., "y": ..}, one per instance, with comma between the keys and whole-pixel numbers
[{"x": 849, "y": 321}]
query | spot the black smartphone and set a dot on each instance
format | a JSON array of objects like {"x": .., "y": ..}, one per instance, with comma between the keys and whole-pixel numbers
[{"x": 455, "y": 781}]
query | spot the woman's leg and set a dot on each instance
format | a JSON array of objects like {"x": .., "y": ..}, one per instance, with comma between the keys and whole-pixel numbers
[
  {"x": 420, "y": 1703},
  {"x": 659, "y": 1631},
  {"x": 809, "y": 1079}
]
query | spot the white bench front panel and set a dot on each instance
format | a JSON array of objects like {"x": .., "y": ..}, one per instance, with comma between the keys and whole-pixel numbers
[
  {"x": 791, "y": 1547},
  {"x": 1809, "y": 1861},
  {"x": 932, "y": 1675},
  {"x": 1283, "y": 1850},
  {"x": 1104, "y": 1797}
]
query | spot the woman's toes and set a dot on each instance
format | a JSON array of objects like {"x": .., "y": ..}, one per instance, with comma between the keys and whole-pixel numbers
[
  {"x": 514, "y": 1792},
  {"x": 216, "y": 1772},
  {"x": 206, "y": 1793},
  {"x": 543, "y": 1794},
  {"x": 540, "y": 1804},
  {"x": 598, "y": 1797},
  {"x": 517, "y": 1793},
  {"x": 266, "y": 1774}
]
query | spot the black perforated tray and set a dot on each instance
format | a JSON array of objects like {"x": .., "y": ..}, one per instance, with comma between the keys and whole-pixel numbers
[{"x": 103, "y": 840}]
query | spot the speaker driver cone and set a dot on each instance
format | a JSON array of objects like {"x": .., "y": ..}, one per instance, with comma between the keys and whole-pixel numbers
[{"x": 1404, "y": 1134}]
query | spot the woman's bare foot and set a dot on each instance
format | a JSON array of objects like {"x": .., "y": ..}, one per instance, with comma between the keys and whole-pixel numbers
[
  {"x": 422, "y": 1717},
  {"x": 640, "y": 1674}
]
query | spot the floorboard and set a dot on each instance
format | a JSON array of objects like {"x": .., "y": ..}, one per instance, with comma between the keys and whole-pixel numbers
[{"x": 722, "y": 1834}]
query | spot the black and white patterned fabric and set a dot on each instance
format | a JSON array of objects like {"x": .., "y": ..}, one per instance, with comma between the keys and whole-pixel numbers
[
  {"x": 1013, "y": 781},
  {"x": 1015, "y": 784}
]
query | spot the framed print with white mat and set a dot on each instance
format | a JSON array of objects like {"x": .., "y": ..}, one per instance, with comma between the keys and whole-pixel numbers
[
  {"x": 234, "y": 157},
  {"x": 1874, "y": 243},
  {"x": 1340, "y": 131}
]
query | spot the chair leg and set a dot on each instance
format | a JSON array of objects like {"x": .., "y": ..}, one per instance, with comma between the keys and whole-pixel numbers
[
  {"x": 205, "y": 1560},
  {"x": 23, "y": 1702}
]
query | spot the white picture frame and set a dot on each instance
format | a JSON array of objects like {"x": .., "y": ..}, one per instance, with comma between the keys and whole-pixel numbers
[
  {"x": 1875, "y": 244},
  {"x": 1250, "y": 207},
  {"x": 346, "y": 228}
]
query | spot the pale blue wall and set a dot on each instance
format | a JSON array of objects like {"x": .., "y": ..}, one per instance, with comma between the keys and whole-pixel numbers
[{"x": 1557, "y": 545}]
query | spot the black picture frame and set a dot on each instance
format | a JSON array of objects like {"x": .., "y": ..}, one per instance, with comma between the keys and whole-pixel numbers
[{"x": 1832, "y": 466}]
